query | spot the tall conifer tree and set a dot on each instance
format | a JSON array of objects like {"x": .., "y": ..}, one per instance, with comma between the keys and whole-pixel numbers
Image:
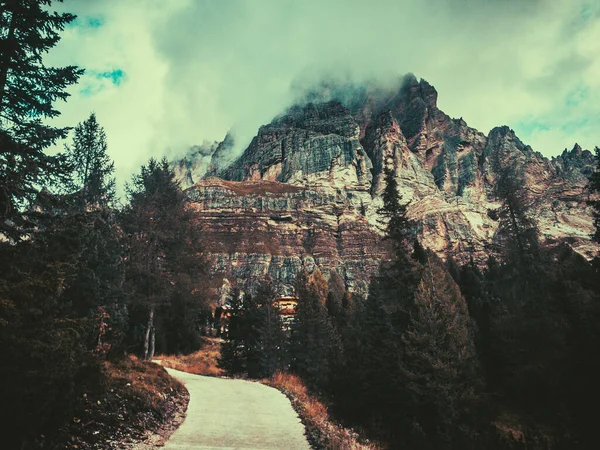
[
  {"x": 517, "y": 227},
  {"x": 232, "y": 358},
  {"x": 93, "y": 169},
  {"x": 312, "y": 341},
  {"x": 28, "y": 91},
  {"x": 163, "y": 241}
]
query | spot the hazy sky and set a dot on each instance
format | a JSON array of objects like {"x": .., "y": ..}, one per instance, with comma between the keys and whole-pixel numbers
[{"x": 169, "y": 74}]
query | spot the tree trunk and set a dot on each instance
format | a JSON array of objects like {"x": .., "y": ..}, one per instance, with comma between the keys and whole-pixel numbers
[
  {"x": 152, "y": 344},
  {"x": 149, "y": 333}
]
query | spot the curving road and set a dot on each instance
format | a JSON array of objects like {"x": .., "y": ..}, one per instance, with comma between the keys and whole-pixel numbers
[{"x": 236, "y": 414}]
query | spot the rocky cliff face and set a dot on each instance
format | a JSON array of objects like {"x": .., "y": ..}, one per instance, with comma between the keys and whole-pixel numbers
[
  {"x": 203, "y": 160},
  {"x": 257, "y": 228},
  {"x": 307, "y": 189}
]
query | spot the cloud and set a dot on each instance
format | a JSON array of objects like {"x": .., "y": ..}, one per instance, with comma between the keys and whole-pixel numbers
[
  {"x": 89, "y": 22},
  {"x": 93, "y": 82},
  {"x": 116, "y": 76},
  {"x": 196, "y": 68}
]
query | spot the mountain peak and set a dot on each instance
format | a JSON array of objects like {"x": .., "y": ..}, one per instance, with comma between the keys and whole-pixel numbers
[{"x": 332, "y": 154}]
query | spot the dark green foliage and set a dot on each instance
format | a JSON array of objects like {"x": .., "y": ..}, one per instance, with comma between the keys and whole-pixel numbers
[
  {"x": 398, "y": 228},
  {"x": 439, "y": 171},
  {"x": 419, "y": 254},
  {"x": 372, "y": 391},
  {"x": 517, "y": 229},
  {"x": 255, "y": 341},
  {"x": 438, "y": 365},
  {"x": 398, "y": 278},
  {"x": 473, "y": 286},
  {"x": 250, "y": 335},
  {"x": 232, "y": 357},
  {"x": 179, "y": 322},
  {"x": 335, "y": 294},
  {"x": 272, "y": 345},
  {"x": 92, "y": 168},
  {"x": 313, "y": 343},
  {"x": 264, "y": 339},
  {"x": 23, "y": 170},
  {"x": 28, "y": 88},
  {"x": 541, "y": 338},
  {"x": 163, "y": 251},
  {"x": 467, "y": 172},
  {"x": 410, "y": 372},
  {"x": 95, "y": 286},
  {"x": 450, "y": 147},
  {"x": 46, "y": 347}
]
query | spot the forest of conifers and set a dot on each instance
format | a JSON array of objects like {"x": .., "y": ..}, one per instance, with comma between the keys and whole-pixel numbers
[{"x": 435, "y": 357}]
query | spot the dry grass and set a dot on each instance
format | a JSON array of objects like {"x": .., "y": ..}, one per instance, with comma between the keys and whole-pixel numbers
[
  {"x": 321, "y": 431},
  {"x": 202, "y": 362}
]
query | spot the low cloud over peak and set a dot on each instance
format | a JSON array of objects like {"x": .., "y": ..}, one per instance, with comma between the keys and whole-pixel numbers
[{"x": 196, "y": 69}]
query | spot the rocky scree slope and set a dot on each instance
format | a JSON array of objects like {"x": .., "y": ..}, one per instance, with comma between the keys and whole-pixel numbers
[{"x": 306, "y": 190}]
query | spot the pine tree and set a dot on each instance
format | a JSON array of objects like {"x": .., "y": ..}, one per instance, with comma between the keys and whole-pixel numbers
[
  {"x": 92, "y": 167},
  {"x": 398, "y": 228},
  {"x": 473, "y": 286},
  {"x": 184, "y": 316},
  {"x": 96, "y": 283},
  {"x": 312, "y": 340},
  {"x": 28, "y": 90},
  {"x": 335, "y": 294},
  {"x": 46, "y": 348},
  {"x": 232, "y": 357},
  {"x": 371, "y": 393},
  {"x": 419, "y": 253},
  {"x": 399, "y": 277},
  {"x": 271, "y": 338},
  {"x": 517, "y": 227},
  {"x": 251, "y": 330},
  {"x": 438, "y": 368},
  {"x": 163, "y": 241},
  {"x": 255, "y": 342}
]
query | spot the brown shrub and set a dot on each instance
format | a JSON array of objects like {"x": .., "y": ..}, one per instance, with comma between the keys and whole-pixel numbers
[
  {"x": 321, "y": 431},
  {"x": 201, "y": 362}
]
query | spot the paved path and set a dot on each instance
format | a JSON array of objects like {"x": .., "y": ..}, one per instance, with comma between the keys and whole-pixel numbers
[{"x": 236, "y": 414}]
